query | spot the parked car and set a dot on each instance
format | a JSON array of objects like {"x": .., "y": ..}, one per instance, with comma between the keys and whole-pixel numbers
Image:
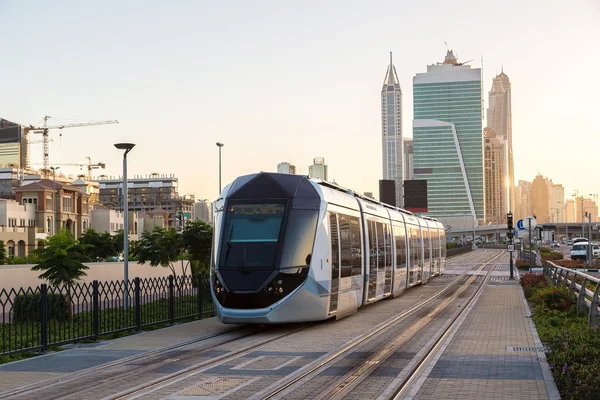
[
  {"x": 569, "y": 243},
  {"x": 555, "y": 244},
  {"x": 579, "y": 251},
  {"x": 580, "y": 240}
]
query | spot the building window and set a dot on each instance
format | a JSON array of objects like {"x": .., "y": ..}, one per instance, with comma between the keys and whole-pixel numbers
[
  {"x": 22, "y": 222},
  {"x": 85, "y": 206},
  {"x": 67, "y": 204},
  {"x": 48, "y": 224},
  {"x": 49, "y": 202},
  {"x": 84, "y": 226}
]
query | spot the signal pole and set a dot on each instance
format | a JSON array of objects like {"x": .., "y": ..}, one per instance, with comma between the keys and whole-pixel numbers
[{"x": 511, "y": 246}]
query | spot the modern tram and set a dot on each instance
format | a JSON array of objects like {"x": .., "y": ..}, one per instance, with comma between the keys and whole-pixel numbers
[{"x": 287, "y": 248}]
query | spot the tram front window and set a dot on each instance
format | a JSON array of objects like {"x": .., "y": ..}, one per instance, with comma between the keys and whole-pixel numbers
[{"x": 250, "y": 236}]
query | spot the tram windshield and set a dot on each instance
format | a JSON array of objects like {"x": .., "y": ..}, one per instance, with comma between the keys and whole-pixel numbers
[{"x": 251, "y": 234}]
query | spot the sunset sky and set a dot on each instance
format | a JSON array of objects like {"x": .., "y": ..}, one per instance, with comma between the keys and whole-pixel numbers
[{"x": 289, "y": 81}]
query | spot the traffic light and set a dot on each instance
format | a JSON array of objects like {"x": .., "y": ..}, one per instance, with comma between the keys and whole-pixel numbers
[{"x": 509, "y": 219}]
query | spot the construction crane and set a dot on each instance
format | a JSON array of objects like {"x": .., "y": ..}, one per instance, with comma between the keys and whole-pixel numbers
[
  {"x": 44, "y": 131},
  {"x": 90, "y": 166}
]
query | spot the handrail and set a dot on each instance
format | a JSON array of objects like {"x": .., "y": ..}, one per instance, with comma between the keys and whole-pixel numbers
[{"x": 586, "y": 298}]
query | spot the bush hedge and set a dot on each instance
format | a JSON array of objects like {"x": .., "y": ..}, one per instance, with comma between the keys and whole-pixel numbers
[
  {"x": 26, "y": 307},
  {"x": 574, "y": 347}
]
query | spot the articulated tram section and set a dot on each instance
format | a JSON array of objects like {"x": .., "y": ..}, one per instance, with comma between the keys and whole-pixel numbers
[{"x": 466, "y": 334}]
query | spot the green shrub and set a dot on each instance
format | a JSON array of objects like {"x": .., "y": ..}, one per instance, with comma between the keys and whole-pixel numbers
[
  {"x": 26, "y": 307},
  {"x": 574, "y": 352},
  {"x": 521, "y": 264},
  {"x": 553, "y": 298}
]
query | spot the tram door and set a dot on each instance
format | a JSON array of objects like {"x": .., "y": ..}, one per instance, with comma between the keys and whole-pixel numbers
[{"x": 335, "y": 263}]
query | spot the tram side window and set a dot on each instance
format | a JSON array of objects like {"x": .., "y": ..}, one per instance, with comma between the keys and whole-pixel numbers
[
  {"x": 356, "y": 246},
  {"x": 388, "y": 245},
  {"x": 416, "y": 246},
  {"x": 345, "y": 245},
  {"x": 372, "y": 245},
  {"x": 380, "y": 246},
  {"x": 400, "y": 235},
  {"x": 335, "y": 257},
  {"x": 426, "y": 242}
]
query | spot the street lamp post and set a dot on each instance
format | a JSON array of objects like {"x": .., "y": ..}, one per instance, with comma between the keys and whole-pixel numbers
[
  {"x": 220, "y": 145},
  {"x": 54, "y": 198},
  {"x": 127, "y": 147}
]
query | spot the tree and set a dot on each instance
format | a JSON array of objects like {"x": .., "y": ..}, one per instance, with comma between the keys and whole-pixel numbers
[
  {"x": 161, "y": 247},
  {"x": 100, "y": 245},
  {"x": 2, "y": 253},
  {"x": 62, "y": 260},
  {"x": 197, "y": 241}
]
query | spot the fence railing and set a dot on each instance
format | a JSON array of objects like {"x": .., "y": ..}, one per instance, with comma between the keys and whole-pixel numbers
[
  {"x": 584, "y": 287},
  {"x": 36, "y": 318}
]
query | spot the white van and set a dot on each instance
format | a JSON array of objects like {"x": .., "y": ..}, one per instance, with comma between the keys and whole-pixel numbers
[{"x": 579, "y": 251}]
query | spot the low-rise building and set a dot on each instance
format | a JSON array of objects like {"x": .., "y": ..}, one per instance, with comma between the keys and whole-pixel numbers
[
  {"x": 58, "y": 205},
  {"x": 203, "y": 211},
  {"x": 147, "y": 193},
  {"x": 111, "y": 221},
  {"x": 18, "y": 228}
]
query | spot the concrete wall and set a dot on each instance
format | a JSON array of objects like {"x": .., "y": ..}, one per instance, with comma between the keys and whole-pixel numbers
[{"x": 17, "y": 276}]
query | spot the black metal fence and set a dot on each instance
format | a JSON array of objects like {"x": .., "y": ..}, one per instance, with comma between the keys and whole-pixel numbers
[{"x": 36, "y": 318}]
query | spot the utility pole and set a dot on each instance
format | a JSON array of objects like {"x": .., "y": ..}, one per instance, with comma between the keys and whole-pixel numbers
[{"x": 511, "y": 246}]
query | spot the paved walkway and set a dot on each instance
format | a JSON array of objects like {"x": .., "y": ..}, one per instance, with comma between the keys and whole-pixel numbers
[{"x": 494, "y": 354}]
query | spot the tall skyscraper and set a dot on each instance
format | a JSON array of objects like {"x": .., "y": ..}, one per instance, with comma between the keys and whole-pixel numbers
[
  {"x": 318, "y": 169},
  {"x": 495, "y": 178},
  {"x": 499, "y": 119},
  {"x": 286, "y": 168},
  {"x": 391, "y": 130},
  {"x": 448, "y": 139}
]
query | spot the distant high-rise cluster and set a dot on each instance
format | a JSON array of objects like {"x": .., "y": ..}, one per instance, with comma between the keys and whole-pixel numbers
[
  {"x": 543, "y": 199},
  {"x": 391, "y": 127}
]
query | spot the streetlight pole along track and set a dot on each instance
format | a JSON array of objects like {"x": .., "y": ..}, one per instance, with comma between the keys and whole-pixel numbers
[
  {"x": 127, "y": 147},
  {"x": 220, "y": 145}
]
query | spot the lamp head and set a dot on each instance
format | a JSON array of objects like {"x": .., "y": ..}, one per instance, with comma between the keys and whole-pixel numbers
[
  {"x": 125, "y": 146},
  {"x": 220, "y": 144}
]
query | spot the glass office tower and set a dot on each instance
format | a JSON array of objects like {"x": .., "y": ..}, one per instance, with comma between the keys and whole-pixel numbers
[{"x": 448, "y": 138}]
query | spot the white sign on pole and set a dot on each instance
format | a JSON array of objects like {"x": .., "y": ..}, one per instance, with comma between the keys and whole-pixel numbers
[
  {"x": 511, "y": 248},
  {"x": 529, "y": 221}
]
